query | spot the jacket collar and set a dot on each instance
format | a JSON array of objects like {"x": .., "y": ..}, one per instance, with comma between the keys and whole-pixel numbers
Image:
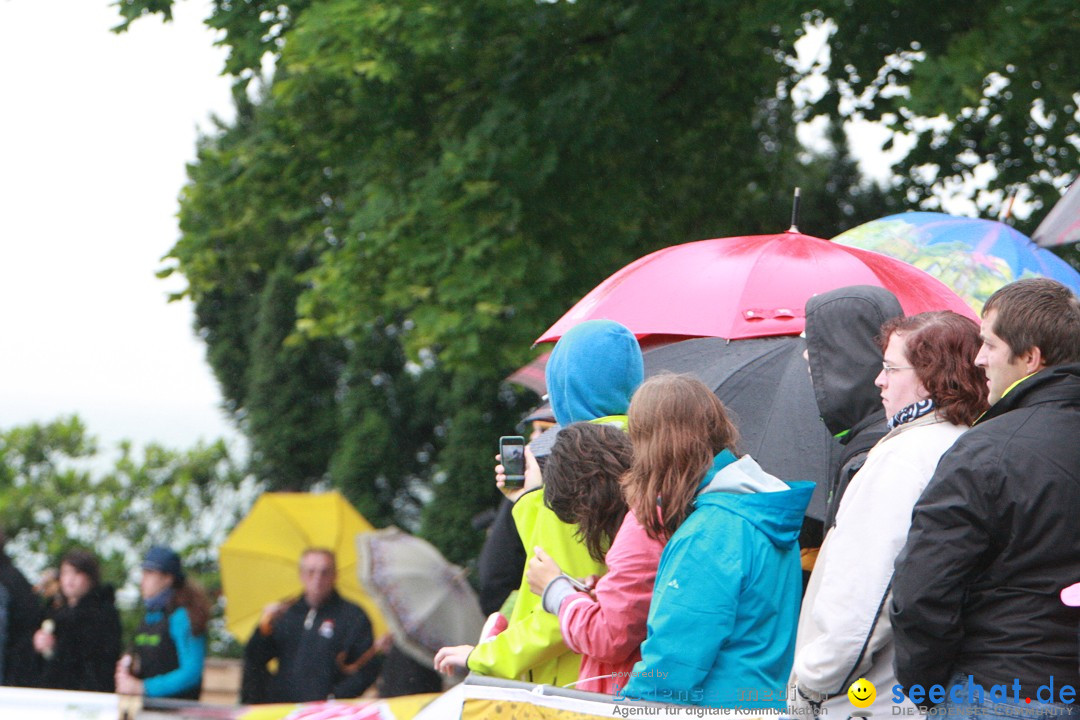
[
  {"x": 330, "y": 601},
  {"x": 933, "y": 418},
  {"x": 721, "y": 461},
  {"x": 1057, "y": 384}
]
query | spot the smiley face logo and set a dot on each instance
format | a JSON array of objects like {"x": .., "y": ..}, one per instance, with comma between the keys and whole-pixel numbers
[{"x": 862, "y": 693}]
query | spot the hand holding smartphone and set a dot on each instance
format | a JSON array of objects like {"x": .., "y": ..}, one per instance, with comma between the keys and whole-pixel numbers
[
  {"x": 578, "y": 585},
  {"x": 512, "y": 453}
]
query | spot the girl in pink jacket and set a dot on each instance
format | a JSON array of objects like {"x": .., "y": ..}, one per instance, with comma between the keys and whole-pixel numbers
[{"x": 602, "y": 620}]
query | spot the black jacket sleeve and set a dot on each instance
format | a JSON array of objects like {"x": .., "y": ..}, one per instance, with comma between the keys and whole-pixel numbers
[
  {"x": 501, "y": 561},
  {"x": 353, "y": 682},
  {"x": 255, "y": 680},
  {"x": 947, "y": 545},
  {"x": 98, "y": 647}
]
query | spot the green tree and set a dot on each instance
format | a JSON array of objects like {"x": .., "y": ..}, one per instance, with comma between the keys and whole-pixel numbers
[
  {"x": 995, "y": 75},
  {"x": 460, "y": 174},
  {"x": 43, "y": 483},
  {"x": 291, "y": 418},
  {"x": 57, "y": 492}
]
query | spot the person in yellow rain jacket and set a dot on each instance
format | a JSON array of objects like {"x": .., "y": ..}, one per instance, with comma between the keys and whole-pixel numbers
[{"x": 591, "y": 375}]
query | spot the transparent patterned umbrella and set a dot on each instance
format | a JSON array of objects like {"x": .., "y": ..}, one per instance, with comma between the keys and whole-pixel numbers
[{"x": 425, "y": 599}]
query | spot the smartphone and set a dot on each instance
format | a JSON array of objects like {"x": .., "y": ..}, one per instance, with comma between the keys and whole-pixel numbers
[
  {"x": 512, "y": 452},
  {"x": 578, "y": 585}
]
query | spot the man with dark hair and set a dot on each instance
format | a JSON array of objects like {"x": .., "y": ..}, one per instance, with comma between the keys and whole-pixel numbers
[
  {"x": 994, "y": 537},
  {"x": 323, "y": 642},
  {"x": 20, "y": 616}
]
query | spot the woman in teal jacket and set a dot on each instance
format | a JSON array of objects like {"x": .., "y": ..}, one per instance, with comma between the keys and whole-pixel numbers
[
  {"x": 721, "y": 629},
  {"x": 170, "y": 642}
]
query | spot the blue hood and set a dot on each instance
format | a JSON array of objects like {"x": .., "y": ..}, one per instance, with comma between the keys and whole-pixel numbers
[
  {"x": 773, "y": 506},
  {"x": 593, "y": 371}
]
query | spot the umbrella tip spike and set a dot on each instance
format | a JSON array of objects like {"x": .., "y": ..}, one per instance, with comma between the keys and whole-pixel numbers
[{"x": 795, "y": 211}]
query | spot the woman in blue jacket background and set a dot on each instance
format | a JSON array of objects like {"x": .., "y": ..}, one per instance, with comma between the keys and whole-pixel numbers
[
  {"x": 170, "y": 643},
  {"x": 721, "y": 628}
]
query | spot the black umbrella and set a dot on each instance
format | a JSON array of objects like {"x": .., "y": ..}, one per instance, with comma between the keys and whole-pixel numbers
[{"x": 765, "y": 383}]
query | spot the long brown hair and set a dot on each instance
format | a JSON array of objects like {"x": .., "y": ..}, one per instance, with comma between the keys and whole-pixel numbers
[
  {"x": 581, "y": 482},
  {"x": 677, "y": 427},
  {"x": 189, "y": 594}
]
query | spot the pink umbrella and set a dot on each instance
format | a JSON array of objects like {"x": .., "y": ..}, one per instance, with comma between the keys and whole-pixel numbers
[
  {"x": 531, "y": 376},
  {"x": 745, "y": 287}
]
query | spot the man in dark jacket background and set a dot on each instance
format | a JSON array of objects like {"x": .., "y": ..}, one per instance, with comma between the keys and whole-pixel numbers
[
  {"x": 995, "y": 535},
  {"x": 842, "y": 327},
  {"x": 323, "y": 642}
]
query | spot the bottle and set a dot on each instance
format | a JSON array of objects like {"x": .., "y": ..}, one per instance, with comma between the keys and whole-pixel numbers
[{"x": 48, "y": 627}]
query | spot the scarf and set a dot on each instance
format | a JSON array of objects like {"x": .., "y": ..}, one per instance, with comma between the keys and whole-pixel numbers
[
  {"x": 911, "y": 412},
  {"x": 160, "y": 602}
]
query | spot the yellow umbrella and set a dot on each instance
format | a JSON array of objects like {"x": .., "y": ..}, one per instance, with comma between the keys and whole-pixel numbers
[{"x": 260, "y": 558}]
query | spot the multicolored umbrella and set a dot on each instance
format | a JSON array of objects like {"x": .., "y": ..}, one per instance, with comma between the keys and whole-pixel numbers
[
  {"x": 972, "y": 256},
  {"x": 745, "y": 287},
  {"x": 531, "y": 375}
]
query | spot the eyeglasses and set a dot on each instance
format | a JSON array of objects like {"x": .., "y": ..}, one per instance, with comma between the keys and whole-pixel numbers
[{"x": 890, "y": 369}]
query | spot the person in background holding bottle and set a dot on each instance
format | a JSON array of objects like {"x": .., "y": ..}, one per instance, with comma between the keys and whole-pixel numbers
[
  {"x": 170, "y": 643},
  {"x": 80, "y": 637}
]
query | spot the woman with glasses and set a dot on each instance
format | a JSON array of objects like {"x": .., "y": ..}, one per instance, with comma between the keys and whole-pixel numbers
[{"x": 931, "y": 392}]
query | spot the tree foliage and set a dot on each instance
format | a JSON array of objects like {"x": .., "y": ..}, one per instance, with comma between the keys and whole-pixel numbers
[
  {"x": 442, "y": 181},
  {"x": 998, "y": 77},
  {"x": 58, "y": 492}
]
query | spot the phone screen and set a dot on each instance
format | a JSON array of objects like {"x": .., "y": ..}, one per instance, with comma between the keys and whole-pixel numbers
[{"x": 512, "y": 452}]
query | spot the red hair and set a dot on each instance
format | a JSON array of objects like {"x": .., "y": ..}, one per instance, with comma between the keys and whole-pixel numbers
[{"x": 942, "y": 346}]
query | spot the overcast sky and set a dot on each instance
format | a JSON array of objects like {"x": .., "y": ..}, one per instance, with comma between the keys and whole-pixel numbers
[{"x": 95, "y": 131}]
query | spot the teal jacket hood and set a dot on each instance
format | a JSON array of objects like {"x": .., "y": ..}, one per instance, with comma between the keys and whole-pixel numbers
[
  {"x": 773, "y": 506},
  {"x": 593, "y": 371},
  {"x": 725, "y": 603}
]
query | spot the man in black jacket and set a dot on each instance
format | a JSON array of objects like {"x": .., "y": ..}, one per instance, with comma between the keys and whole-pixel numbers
[
  {"x": 323, "y": 643},
  {"x": 995, "y": 536}
]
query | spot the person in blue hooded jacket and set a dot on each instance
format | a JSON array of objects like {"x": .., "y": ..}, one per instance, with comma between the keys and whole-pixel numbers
[
  {"x": 591, "y": 375},
  {"x": 721, "y": 628},
  {"x": 593, "y": 372}
]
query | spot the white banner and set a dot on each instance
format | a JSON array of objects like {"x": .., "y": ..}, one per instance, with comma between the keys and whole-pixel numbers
[{"x": 31, "y": 704}]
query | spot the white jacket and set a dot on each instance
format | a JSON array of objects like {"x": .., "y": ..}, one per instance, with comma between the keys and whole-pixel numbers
[{"x": 844, "y": 630}]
